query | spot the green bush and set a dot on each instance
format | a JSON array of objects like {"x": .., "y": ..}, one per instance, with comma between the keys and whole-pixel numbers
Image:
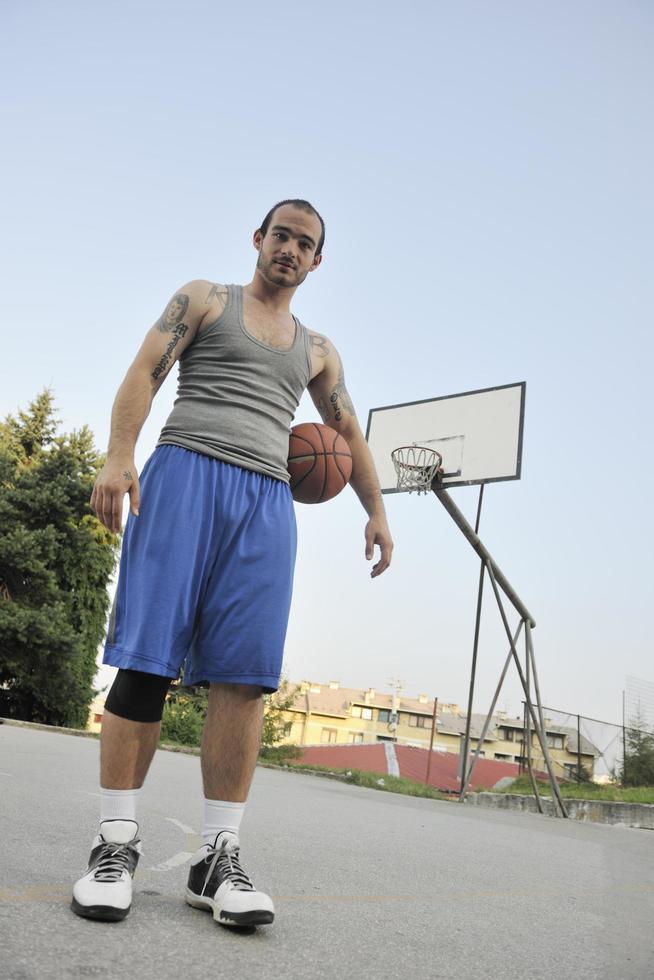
[
  {"x": 280, "y": 753},
  {"x": 181, "y": 723}
]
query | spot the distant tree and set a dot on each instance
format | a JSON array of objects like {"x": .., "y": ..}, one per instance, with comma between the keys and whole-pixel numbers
[
  {"x": 275, "y": 725},
  {"x": 186, "y": 707},
  {"x": 184, "y": 712},
  {"x": 638, "y": 764},
  {"x": 56, "y": 559}
]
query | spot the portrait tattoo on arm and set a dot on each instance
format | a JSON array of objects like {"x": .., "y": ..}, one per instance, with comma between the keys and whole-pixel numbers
[
  {"x": 173, "y": 314},
  {"x": 178, "y": 331}
]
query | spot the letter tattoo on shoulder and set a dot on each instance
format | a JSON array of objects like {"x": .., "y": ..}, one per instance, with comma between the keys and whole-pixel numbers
[
  {"x": 218, "y": 293},
  {"x": 173, "y": 314},
  {"x": 319, "y": 345}
]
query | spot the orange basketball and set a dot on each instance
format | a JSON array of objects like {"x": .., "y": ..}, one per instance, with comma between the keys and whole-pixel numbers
[{"x": 319, "y": 462}]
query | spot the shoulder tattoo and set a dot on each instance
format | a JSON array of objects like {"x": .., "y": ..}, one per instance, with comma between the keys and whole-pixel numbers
[{"x": 319, "y": 345}]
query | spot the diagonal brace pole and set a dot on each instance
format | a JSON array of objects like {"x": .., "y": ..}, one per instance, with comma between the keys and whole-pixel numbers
[
  {"x": 536, "y": 720},
  {"x": 468, "y": 769}
]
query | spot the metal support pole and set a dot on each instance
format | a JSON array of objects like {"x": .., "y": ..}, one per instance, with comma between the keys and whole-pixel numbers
[
  {"x": 541, "y": 732},
  {"x": 578, "y": 748},
  {"x": 431, "y": 741},
  {"x": 468, "y": 770},
  {"x": 484, "y": 554},
  {"x": 475, "y": 647},
  {"x": 527, "y": 741},
  {"x": 624, "y": 743}
]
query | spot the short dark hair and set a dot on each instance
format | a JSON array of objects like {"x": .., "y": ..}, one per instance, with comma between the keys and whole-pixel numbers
[{"x": 303, "y": 206}]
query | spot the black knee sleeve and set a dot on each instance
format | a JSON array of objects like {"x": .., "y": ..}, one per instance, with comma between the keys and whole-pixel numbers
[{"x": 137, "y": 696}]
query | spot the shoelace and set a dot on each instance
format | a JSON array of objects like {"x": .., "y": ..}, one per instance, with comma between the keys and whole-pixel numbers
[
  {"x": 114, "y": 859},
  {"x": 228, "y": 863}
]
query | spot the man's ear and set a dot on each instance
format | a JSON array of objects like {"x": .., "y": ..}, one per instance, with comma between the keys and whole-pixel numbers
[
  {"x": 316, "y": 262},
  {"x": 257, "y": 239}
]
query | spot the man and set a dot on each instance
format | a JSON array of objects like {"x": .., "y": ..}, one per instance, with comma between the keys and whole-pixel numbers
[{"x": 207, "y": 562}]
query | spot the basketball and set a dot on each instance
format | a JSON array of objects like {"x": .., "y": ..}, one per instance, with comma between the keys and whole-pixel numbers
[{"x": 319, "y": 462}]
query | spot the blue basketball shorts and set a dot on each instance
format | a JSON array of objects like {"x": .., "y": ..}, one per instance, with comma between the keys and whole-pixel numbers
[{"x": 206, "y": 573}]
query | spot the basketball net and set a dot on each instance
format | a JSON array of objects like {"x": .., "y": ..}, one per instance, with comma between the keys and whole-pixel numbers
[{"x": 416, "y": 468}]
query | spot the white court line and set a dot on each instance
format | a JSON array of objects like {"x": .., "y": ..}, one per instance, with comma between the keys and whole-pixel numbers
[
  {"x": 86, "y": 793},
  {"x": 172, "y": 862},
  {"x": 6, "y": 774},
  {"x": 182, "y": 826}
]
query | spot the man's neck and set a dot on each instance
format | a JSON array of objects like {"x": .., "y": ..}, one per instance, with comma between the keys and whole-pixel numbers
[{"x": 276, "y": 298}]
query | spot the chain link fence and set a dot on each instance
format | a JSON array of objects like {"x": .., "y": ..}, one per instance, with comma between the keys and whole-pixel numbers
[
  {"x": 581, "y": 748},
  {"x": 638, "y": 705}
]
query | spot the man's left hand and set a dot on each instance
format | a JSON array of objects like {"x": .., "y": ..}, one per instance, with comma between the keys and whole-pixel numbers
[{"x": 377, "y": 533}]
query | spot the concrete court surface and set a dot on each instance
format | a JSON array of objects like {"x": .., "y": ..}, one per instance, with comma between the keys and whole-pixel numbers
[{"x": 365, "y": 883}]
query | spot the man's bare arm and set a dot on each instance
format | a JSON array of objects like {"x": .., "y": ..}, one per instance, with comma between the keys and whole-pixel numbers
[
  {"x": 332, "y": 399},
  {"x": 164, "y": 344}
]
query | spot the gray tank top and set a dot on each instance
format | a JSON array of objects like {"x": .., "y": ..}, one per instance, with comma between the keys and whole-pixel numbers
[{"x": 236, "y": 396}]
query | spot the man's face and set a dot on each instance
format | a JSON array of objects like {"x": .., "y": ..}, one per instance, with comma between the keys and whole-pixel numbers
[{"x": 288, "y": 252}]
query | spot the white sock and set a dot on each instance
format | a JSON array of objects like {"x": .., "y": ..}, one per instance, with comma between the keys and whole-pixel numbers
[
  {"x": 118, "y": 804},
  {"x": 221, "y": 815}
]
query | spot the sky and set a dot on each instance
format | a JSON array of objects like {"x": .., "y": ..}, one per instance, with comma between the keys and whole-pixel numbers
[{"x": 485, "y": 174}]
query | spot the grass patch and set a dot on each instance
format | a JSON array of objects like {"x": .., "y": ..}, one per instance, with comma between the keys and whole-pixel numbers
[
  {"x": 373, "y": 780},
  {"x": 582, "y": 791}
]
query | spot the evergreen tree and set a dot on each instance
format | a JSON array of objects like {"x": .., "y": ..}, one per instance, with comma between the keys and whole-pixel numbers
[
  {"x": 56, "y": 559},
  {"x": 638, "y": 764}
]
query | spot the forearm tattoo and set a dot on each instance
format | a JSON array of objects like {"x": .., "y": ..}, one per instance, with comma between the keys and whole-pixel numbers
[
  {"x": 340, "y": 399},
  {"x": 173, "y": 314},
  {"x": 161, "y": 368}
]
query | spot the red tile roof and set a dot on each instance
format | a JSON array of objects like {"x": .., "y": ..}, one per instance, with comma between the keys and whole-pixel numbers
[{"x": 412, "y": 763}]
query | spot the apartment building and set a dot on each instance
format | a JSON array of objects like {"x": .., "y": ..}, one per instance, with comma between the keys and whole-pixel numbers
[{"x": 327, "y": 714}]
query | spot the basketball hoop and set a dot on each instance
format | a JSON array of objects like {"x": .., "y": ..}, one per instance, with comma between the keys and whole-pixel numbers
[{"x": 416, "y": 467}]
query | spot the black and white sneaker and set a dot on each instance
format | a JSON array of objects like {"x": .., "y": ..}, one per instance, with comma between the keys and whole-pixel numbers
[
  {"x": 105, "y": 890},
  {"x": 218, "y": 883}
]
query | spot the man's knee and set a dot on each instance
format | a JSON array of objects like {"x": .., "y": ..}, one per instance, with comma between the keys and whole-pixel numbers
[
  {"x": 234, "y": 693},
  {"x": 138, "y": 696}
]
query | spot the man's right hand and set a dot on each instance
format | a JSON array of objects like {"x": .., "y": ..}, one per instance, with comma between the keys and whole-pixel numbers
[{"x": 115, "y": 479}]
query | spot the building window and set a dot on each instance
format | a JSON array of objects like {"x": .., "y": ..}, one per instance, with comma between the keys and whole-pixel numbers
[
  {"x": 501, "y": 757},
  {"x": 356, "y": 710},
  {"x": 508, "y": 734},
  {"x": 384, "y": 714},
  {"x": 328, "y": 735},
  {"x": 355, "y": 737},
  {"x": 554, "y": 741},
  {"x": 366, "y": 714},
  {"x": 419, "y": 721}
]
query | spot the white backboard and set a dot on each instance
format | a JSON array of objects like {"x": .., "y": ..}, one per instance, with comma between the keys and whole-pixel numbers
[{"x": 478, "y": 434}]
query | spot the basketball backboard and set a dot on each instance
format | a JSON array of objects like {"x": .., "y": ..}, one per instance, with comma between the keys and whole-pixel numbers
[{"x": 478, "y": 434}]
